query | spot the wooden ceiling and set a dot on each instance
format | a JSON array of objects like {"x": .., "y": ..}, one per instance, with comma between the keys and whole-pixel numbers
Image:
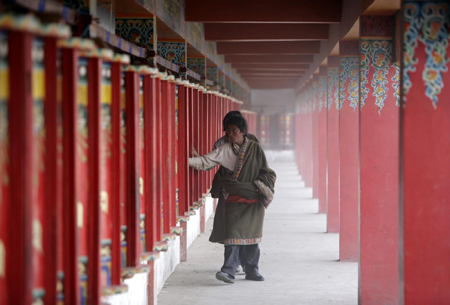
[{"x": 270, "y": 43}]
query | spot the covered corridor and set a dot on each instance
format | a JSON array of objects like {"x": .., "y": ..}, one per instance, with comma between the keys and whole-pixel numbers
[
  {"x": 299, "y": 260},
  {"x": 103, "y": 103}
]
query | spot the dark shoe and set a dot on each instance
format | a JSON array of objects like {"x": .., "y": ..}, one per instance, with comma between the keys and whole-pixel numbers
[
  {"x": 257, "y": 277},
  {"x": 222, "y": 276}
]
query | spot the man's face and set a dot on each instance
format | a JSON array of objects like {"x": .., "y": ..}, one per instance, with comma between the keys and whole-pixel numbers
[{"x": 235, "y": 135}]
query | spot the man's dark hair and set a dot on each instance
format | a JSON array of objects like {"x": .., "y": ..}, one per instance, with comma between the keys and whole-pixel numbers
[
  {"x": 229, "y": 115},
  {"x": 240, "y": 123}
]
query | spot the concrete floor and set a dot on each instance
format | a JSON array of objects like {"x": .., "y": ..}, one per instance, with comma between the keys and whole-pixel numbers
[{"x": 299, "y": 261}]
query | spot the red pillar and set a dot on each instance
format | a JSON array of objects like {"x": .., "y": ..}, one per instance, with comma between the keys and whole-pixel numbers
[
  {"x": 323, "y": 114},
  {"x": 308, "y": 140},
  {"x": 349, "y": 149},
  {"x": 379, "y": 165},
  {"x": 315, "y": 137},
  {"x": 425, "y": 150},
  {"x": 333, "y": 145},
  {"x": 20, "y": 120},
  {"x": 297, "y": 139},
  {"x": 307, "y": 146}
]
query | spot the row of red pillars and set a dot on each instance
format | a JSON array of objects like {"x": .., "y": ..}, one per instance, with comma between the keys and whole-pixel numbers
[
  {"x": 372, "y": 140},
  {"x": 94, "y": 166}
]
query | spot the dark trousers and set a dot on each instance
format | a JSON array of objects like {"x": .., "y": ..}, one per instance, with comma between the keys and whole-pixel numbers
[{"x": 249, "y": 260}]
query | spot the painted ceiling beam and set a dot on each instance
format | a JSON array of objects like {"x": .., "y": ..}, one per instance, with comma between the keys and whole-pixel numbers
[
  {"x": 272, "y": 84},
  {"x": 269, "y": 59},
  {"x": 272, "y": 47},
  {"x": 285, "y": 71},
  {"x": 273, "y": 71},
  {"x": 265, "y": 32},
  {"x": 271, "y": 74},
  {"x": 264, "y": 66},
  {"x": 263, "y": 77},
  {"x": 281, "y": 11}
]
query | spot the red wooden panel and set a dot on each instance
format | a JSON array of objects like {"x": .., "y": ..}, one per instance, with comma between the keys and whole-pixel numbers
[
  {"x": 82, "y": 155},
  {"x": 53, "y": 175},
  {"x": 213, "y": 128},
  {"x": 158, "y": 146},
  {"x": 151, "y": 184},
  {"x": 70, "y": 175},
  {"x": 204, "y": 134},
  {"x": 172, "y": 147},
  {"x": 425, "y": 128},
  {"x": 201, "y": 144},
  {"x": 142, "y": 173},
  {"x": 164, "y": 159},
  {"x": 116, "y": 172},
  {"x": 176, "y": 140},
  {"x": 190, "y": 116},
  {"x": 4, "y": 164},
  {"x": 183, "y": 149},
  {"x": 18, "y": 245},
  {"x": 123, "y": 170},
  {"x": 94, "y": 154},
  {"x": 37, "y": 170},
  {"x": 196, "y": 141},
  {"x": 132, "y": 165},
  {"x": 209, "y": 137},
  {"x": 222, "y": 114},
  {"x": 167, "y": 156}
]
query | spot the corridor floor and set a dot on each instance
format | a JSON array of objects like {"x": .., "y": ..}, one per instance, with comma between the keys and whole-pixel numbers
[{"x": 299, "y": 261}]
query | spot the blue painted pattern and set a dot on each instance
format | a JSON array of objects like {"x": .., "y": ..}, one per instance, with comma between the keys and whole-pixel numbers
[
  {"x": 377, "y": 54},
  {"x": 427, "y": 22},
  {"x": 322, "y": 91}
]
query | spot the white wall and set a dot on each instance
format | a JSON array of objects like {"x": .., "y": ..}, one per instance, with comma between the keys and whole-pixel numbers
[{"x": 164, "y": 266}]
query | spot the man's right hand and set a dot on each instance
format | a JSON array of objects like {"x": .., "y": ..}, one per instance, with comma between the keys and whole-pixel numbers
[{"x": 194, "y": 152}]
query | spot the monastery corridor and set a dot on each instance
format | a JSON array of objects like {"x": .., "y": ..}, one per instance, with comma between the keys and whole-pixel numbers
[{"x": 299, "y": 260}]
